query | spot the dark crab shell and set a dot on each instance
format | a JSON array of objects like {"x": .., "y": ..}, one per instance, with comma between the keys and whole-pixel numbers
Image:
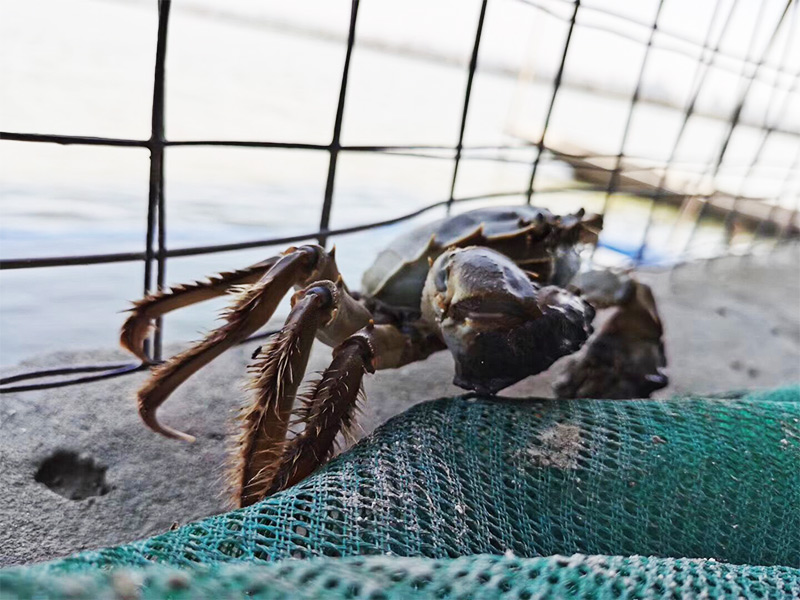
[{"x": 534, "y": 238}]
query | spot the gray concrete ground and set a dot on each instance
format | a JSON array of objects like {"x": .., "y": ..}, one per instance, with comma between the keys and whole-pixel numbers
[{"x": 730, "y": 324}]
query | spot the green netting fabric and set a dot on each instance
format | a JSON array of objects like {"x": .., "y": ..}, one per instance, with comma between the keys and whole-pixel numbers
[
  {"x": 382, "y": 578},
  {"x": 714, "y": 478}
]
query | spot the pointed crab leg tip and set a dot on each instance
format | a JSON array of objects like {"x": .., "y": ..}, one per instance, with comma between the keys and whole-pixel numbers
[
  {"x": 171, "y": 433},
  {"x": 186, "y": 437},
  {"x": 149, "y": 419},
  {"x": 332, "y": 252},
  {"x": 137, "y": 352}
]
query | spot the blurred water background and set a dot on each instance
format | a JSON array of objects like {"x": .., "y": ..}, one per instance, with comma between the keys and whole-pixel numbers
[{"x": 270, "y": 71}]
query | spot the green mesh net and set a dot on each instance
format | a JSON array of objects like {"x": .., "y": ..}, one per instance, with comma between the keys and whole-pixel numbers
[
  {"x": 699, "y": 478},
  {"x": 383, "y": 578}
]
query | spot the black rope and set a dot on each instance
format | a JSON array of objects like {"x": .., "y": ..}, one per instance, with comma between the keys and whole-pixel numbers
[
  {"x": 156, "y": 254},
  {"x": 94, "y": 259},
  {"x": 104, "y": 371},
  {"x": 473, "y": 65},
  {"x": 556, "y": 86},
  {"x": 614, "y": 176},
  {"x": 395, "y": 150},
  {"x": 335, "y": 148},
  {"x": 767, "y": 129},
  {"x": 58, "y": 261},
  {"x": 702, "y": 47},
  {"x": 697, "y": 85},
  {"x": 736, "y": 114},
  {"x": 155, "y": 202},
  {"x": 71, "y": 139}
]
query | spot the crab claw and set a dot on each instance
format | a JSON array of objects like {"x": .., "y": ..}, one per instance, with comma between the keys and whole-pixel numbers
[
  {"x": 500, "y": 326},
  {"x": 625, "y": 358}
]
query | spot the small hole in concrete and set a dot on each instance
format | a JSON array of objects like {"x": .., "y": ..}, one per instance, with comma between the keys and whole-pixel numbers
[{"x": 72, "y": 475}]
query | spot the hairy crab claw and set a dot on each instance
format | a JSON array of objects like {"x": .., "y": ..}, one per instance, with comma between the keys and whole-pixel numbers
[{"x": 499, "y": 325}]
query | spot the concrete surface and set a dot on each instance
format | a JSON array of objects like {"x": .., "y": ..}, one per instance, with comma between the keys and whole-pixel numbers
[{"x": 730, "y": 324}]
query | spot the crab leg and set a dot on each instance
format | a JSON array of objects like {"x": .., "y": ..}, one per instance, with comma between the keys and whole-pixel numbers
[
  {"x": 625, "y": 358},
  {"x": 324, "y": 310},
  {"x": 148, "y": 309},
  {"x": 330, "y": 405},
  {"x": 251, "y": 310}
]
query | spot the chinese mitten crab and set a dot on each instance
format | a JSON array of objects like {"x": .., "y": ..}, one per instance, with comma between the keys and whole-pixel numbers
[{"x": 498, "y": 287}]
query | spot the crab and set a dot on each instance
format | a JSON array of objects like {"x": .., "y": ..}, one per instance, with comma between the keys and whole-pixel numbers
[{"x": 500, "y": 288}]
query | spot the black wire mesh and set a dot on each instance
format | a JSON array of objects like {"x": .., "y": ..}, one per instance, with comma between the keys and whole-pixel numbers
[{"x": 749, "y": 68}]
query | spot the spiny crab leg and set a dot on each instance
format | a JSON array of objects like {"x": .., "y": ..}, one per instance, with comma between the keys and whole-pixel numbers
[
  {"x": 324, "y": 309},
  {"x": 625, "y": 358},
  {"x": 330, "y": 404},
  {"x": 278, "y": 375},
  {"x": 148, "y": 309},
  {"x": 251, "y": 310},
  {"x": 328, "y": 409}
]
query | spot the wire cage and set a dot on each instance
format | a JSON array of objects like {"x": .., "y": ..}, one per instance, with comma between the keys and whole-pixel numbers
[{"x": 716, "y": 188}]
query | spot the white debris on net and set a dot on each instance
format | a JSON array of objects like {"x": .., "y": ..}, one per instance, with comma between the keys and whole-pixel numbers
[{"x": 557, "y": 446}]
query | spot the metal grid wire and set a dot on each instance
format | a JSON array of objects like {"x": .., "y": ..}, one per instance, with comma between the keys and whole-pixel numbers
[{"x": 753, "y": 66}]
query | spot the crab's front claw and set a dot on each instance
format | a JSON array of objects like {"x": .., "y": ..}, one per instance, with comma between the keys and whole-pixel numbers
[
  {"x": 490, "y": 356},
  {"x": 499, "y": 326},
  {"x": 625, "y": 359}
]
